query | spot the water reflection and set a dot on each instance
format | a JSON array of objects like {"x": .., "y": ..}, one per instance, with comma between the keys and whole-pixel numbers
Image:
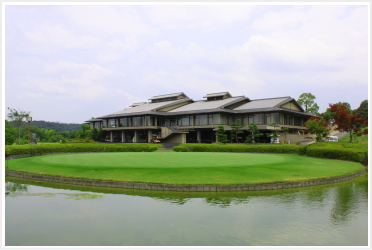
[{"x": 334, "y": 214}]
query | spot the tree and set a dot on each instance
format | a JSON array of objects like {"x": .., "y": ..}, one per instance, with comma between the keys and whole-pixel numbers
[
  {"x": 362, "y": 111},
  {"x": 85, "y": 132},
  {"x": 274, "y": 134},
  {"x": 235, "y": 130},
  {"x": 10, "y": 133},
  {"x": 348, "y": 122},
  {"x": 221, "y": 136},
  {"x": 306, "y": 100},
  {"x": 253, "y": 133},
  {"x": 18, "y": 118},
  {"x": 319, "y": 127},
  {"x": 95, "y": 134}
]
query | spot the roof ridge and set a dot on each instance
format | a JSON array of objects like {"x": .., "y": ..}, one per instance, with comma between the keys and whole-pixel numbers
[{"x": 271, "y": 98}]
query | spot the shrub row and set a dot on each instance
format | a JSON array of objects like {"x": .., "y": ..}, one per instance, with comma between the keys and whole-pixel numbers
[
  {"x": 329, "y": 150},
  {"x": 334, "y": 150},
  {"x": 255, "y": 148},
  {"x": 80, "y": 147}
]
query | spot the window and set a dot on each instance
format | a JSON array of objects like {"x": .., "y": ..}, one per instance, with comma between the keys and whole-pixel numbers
[
  {"x": 275, "y": 117},
  {"x": 137, "y": 121},
  {"x": 124, "y": 122},
  {"x": 203, "y": 119},
  {"x": 97, "y": 124},
  {"x": 104, "y": 123},
  {"x": 112, "y": 123},
  {"x": 91, "y": 125},
  {"x": 183, "y": 121},
  {"x": 298, "y": 121},
  {"x": 149, "y": 121},
  {"x": 217, "y": 119},
  {"x": 256, "y": 118},
  {"x": 288, "y": 119},
  {"x": 267, "y": 118}
]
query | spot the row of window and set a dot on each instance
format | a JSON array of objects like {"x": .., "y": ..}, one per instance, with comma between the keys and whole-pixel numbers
[{"x": 200, "y": 120}]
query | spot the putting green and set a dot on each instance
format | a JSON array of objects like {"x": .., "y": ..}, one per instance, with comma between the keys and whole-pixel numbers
[{"x": 185, "y": 168}]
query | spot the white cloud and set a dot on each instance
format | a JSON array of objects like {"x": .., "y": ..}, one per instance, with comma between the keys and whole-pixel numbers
[{"x": 197, "y": 15}]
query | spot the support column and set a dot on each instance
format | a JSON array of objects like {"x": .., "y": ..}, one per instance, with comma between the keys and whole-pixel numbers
[
  {"x": 111, "y": 136},
  {"x": 198, "y": 136},
  {"x": 149, "y": 135},
  {"x": 122, "y": 136},
  {"x": 135, "y": 136}
]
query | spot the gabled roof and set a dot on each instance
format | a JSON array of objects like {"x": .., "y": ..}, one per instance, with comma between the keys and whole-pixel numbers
[
  {"x": 264, "y": 103},
  {"x": 207, "y": 105},
  {"x": 145, "y": 107},
  {"x": 168, "y": 95},
  {"x": 218, "y": 94}
]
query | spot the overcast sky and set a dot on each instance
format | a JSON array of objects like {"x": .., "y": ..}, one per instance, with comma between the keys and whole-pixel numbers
[{"x": 69, "y": 63}]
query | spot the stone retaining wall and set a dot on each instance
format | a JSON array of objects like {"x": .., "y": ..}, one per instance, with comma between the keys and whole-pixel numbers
[{"x": 183, "y": 188}]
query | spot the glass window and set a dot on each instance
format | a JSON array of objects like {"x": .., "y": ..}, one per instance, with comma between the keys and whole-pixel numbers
[
  {"x": 112, "y": 123},
  {"x": 203, "y": 119},
  {"x": 217, "y": 119},
  {"x": 185, "y": 121},
  {"x": 137, "y": 121},
  {"x": 259, "y": 119},
  {"x": 210, "y": 119},
  {"x": 275, "y": 118},
  {"x": 91, "y": 124},
  {"x": 267, "y": 118},
  {"x": 149, "y": 121},
  {"x": 104, "y": 123},
  {"x": 197, "y": 120},
  {"x": 251, "y": 119},
  {"x": 123, "y": 122},
  {"x": 288, "y": 119},
  {"x": 298, "y": 121},
  {"x": 238, "y": 117},
  {"x": 97, "y": 124}
]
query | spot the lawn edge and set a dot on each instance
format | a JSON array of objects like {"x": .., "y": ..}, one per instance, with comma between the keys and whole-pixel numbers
[{"x": 184, "y": 187}]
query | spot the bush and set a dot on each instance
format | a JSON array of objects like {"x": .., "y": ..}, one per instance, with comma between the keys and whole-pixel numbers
[
  {"x": 82, "y": 141},
  {"x": 255, "y": 148},
  {"x": 180, "y": 149},
  {"x": 337, "y": 150},
  {"x": 80, "y": 147}
]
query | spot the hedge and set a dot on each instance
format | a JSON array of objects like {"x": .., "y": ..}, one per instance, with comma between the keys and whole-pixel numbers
[
  {"x": 254, "y": 148},
  {"x": 80, "y": 147},
  {"x": 180, "y": 149},
  {"x": 330, "y": 150},
  {"x": 338, "y": 150}
]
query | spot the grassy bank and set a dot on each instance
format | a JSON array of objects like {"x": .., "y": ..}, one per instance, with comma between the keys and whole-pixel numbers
[{"x": 186, "y": 168}]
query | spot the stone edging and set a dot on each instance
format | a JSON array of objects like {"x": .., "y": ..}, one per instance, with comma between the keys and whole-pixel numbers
[{"x": 183, "y": 188}]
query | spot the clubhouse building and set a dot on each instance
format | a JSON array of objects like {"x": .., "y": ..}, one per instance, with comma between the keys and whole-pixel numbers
[{"x": 175, "y": 118}]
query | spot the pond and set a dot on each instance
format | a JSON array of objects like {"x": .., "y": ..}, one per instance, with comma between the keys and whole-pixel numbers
[{"x": 51, "y": 214}]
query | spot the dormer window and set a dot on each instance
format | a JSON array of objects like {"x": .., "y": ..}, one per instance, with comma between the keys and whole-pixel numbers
[
  {"x": 167, "y": 98},
  {"x": 215, "y": 98}
]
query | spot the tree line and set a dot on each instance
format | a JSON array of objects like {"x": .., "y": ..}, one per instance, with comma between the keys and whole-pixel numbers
[{"x": 17, "y": 130}]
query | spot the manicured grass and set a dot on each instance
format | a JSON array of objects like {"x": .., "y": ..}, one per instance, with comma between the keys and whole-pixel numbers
[{"x": 185, "y": 168}]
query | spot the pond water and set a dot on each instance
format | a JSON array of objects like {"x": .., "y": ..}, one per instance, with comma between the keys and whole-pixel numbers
[{"x": 51, "y": 214}]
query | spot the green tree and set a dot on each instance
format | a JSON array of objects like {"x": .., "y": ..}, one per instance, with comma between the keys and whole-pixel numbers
[
  {"x": 306, "y": 100},
  {"x": 95, "y": 134},
  {"x": 85, "y": 131},
  {"x": 10, "y": 133},
  {"x": 18, "y": 119},
  {"x": 221, "y": 136},
  {"x": 319, "y": 127},
  {"x": 362, "y": 110},
  {"x": 274, "y": 134},
  {"x": 253, "y": 133},
  {"x": 235, "y": 130}
]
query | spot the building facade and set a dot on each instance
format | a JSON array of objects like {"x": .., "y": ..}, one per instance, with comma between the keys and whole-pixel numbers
[{"x": 175, "y": 118}]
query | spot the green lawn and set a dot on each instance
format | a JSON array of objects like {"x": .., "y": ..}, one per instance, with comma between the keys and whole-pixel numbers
[{"x": 185, "y": 168}]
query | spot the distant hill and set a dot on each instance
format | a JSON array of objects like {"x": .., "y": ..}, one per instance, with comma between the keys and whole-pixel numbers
[{"x": 58, "y": 127}]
